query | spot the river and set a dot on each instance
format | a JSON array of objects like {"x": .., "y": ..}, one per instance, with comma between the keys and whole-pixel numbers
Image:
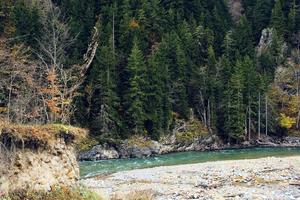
[{"x": 94, "y": 168}]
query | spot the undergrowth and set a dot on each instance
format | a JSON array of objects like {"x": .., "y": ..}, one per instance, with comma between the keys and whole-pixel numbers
[{"x": 56, "y": 193}]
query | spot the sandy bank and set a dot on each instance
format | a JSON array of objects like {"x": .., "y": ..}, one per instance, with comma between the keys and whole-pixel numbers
[{"x": 266, "y": 178}]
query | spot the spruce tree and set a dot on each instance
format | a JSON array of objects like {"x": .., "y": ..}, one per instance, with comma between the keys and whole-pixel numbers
[
  {"x": 162, "y": 65},
  {"x": 242, "y": 38},
  {"x": 292, "y": 21},
  {"x": 105, "y": 102},
  {"x": 135, "y": 94},
  {"x": 251, "y": 93},
  {"x": 27, "y": 21},
  {"x": 213, "y": 88},
  {"x": 235, "y": 116},
  {"x": 278, "y": 22},
  {"x": 261, "y": 17},
  {"x": 180, "y": 103}
]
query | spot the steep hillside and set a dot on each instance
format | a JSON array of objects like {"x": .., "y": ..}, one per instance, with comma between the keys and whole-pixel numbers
[{"x": 149, "y": 63}]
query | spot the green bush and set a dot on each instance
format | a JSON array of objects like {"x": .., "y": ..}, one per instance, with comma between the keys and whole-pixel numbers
[{"x": 194, "y": 130}]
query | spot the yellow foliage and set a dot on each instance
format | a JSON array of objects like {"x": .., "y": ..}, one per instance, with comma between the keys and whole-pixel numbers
[
  {"x": 3, "y": 109},
  {"x": 286, "y": 121},
  {"x": 139, "y": 141},
  {"x": 134, "y": 24},
  {"x": 293, "y": 104}
]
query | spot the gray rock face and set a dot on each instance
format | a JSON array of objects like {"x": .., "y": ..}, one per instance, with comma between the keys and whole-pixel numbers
[
  {"x": 125, "y": 150},
  {"x": 135, "y": 151},
  {"x": 292, "y": 141},
  {"x": 170, "y": 145},
  {"x": 100, "y": 152},
  {"x": 265, "y": 40}
]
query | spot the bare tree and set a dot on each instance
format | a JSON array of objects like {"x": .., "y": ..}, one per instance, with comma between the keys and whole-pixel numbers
[
  {"x": 60, "y": 81},
  {"x": 42, "y": 90}
]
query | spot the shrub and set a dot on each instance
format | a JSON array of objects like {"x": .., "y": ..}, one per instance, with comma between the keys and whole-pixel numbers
[{"x": 193, "y": 130}]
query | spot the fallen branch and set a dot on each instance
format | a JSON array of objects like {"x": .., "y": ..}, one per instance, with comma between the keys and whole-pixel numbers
[{"x": 88, "y": 59}]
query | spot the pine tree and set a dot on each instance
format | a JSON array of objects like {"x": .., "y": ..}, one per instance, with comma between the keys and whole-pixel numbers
[
  {"x": 213, "y": 89},
  {"x": 278, "y": 19},
  {"x": 229, "y": 46},
  {"x": 226, "y": 70},
  {"x": 235, "y": 117},
  {"x": 251, "y": 93},
  {"x": 292, "y": 21},
  {"x": 27, "y": 22},
  {"x": 135, "y": 95},
  {"x": 105, "y": 102},
  {"x": 242, "y": 38},
  {"x": 162, "y": 65},
  {"x": 261, "y": 17},
  {"x": 153, "y": 105},
  {"x": 180, "y": 104}
]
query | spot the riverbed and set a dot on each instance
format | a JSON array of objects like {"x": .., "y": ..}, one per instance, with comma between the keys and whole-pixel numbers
[
  {"x": 90, "y": 168},
  {"x": 263, "y": 178}
]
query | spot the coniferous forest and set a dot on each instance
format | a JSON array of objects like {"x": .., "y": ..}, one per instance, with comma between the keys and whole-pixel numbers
[{"x": 233, "y": 65}]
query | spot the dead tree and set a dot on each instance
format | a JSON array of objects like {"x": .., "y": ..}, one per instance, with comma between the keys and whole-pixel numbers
[{"x": 60, "y": 82}]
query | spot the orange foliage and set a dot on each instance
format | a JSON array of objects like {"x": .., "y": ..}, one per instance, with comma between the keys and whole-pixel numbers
[
  {"x": 51, "y": 76},
  {"x": 51, "y": 104}
]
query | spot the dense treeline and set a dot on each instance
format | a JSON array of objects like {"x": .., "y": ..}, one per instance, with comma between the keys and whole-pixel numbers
[{"x": 160, "y": 59}]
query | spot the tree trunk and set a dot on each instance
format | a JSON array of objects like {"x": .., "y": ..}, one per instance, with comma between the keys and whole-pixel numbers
[
  {"x": 266, "y": 114},
  {"x": 249, "y": 122},
  {"x": 259, "y": 113}
]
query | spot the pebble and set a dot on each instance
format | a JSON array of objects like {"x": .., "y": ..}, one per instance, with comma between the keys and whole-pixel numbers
[{"x": 248, "y": 179}]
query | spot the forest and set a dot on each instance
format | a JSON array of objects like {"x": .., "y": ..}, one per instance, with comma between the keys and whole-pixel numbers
[{"x": 132, "y": 67}]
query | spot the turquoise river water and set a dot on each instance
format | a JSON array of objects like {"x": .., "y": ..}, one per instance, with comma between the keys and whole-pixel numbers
[{"x": 94, "y": 168}]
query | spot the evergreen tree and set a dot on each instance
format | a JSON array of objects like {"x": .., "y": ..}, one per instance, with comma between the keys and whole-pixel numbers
[
  {"x": 135, "y": 95},
  {"x": 293, "y": 21},
  {"x": 213, "y": 86},
  {"x": 226, "y": 70},
  {"x": 162, "y": 65},
  {"x": 278, "y": 20},
  {"x": 261, "y": 17},
  {"x": 242, "y": 38},
  {"x": 180, "y": 98},
  {"x": 251, "y": 93},
  {"x": 27, "y": 21},
  {"x": 105, "y": 102},
  {"x": 235, "y": 117}
]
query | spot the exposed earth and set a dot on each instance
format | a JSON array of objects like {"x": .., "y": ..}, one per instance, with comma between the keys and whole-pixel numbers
[{"x": 266, "y": 178}]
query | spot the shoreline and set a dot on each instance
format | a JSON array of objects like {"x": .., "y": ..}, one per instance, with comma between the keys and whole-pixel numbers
[
  {"x": 107, "y": 152},
  {"x": 269, "y": 177}
]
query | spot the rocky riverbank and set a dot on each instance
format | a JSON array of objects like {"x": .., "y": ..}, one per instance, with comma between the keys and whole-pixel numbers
[
  {"x": 143, "y": 147},
  {"x": 267, "y": 178}
]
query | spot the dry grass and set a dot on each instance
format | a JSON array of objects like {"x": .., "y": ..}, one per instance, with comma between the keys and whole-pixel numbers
[
  {"x": 39, "y": 134},
  {"x": 56, "y": 193},
  {"x": 137, "y": 195}
]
